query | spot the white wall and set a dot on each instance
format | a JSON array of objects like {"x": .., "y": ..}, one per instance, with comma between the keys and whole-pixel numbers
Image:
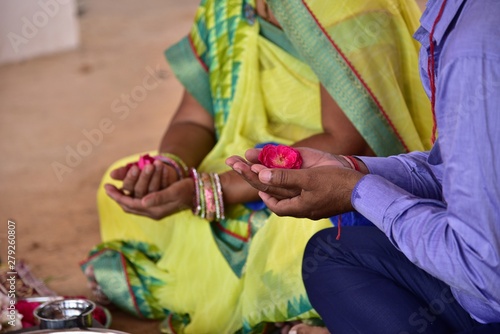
[{"x": 31, "y": 28}]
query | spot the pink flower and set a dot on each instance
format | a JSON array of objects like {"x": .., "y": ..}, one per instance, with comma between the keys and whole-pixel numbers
[
  {"x": 143, "y": 161},
  {"x": 280, "y": 156}
]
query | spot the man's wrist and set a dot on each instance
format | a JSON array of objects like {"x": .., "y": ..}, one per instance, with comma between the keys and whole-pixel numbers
[{"x": 354, "y": 163}]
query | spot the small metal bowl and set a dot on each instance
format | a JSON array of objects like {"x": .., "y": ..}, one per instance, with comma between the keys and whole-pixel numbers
[
  {"x": 78, "y": 331},
  {"x": 66, "y": 313}
]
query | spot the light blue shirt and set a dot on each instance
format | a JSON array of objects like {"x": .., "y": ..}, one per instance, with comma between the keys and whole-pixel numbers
[{"x": 442, "y": 208}]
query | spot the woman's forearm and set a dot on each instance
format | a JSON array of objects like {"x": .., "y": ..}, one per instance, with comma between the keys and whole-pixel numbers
[
  {"x": 352, "y": 145},
  {"x": 191, "y": 133},
  {"x": 189, "y": 141},
  {"x": 236, "y": 190}
]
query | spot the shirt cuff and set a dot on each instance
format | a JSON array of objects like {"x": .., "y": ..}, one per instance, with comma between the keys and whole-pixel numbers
[
  {"x": 372, "y": 197},
  {"x": 393, "y": 169},
  {"x": 384, "y": 166}
]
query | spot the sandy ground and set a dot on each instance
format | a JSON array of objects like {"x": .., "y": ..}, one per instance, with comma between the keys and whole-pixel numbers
[
  {"x": 46, "y": 107},
  {"x": 50, "y": 107}
]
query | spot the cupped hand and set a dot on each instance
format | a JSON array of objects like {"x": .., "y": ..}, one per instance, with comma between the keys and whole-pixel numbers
[
  {"x": 258, "y": 176},
  {"x": 322, "y": 188},
  {"x": 152, "y": 178},
  {"x": 157, "y": 204},
  {"x": 310, "y": 157},
  {"x": 320, "y": 192}
]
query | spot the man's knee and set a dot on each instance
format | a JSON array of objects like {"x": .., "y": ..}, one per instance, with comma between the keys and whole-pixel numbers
[{"x": 322, "y": 247}]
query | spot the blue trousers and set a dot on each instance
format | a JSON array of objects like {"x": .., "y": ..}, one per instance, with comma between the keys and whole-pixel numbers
[{"x": 363, "y": 284}]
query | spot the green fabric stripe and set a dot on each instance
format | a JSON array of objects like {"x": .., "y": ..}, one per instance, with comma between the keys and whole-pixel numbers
[
  {"x": 277, "y": 36},
  {"x": 110, "y": 262},
  {"x": 123, "y": 265},
  {"x": 336, "y": 76},
  {"x": 188, "y": 69}
]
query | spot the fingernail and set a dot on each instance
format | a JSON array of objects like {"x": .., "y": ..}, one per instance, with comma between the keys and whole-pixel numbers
[
  {"x": 292, "y": 332},
  {"x": 109, "y": 193},
  {"x": 148, "y": 202},
  {"x": 148, "y": 169},
  {"x": 134, "y": 171},
  {"x": 265, "y": 175}
]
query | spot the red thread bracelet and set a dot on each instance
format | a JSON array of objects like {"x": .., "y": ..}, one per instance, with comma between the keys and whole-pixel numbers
[{"x": 354, "y": 162}]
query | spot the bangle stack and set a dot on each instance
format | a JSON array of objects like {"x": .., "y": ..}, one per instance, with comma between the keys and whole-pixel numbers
[
  {"x": 174, "y": 161},
  {"x": 208, "y": 202}
]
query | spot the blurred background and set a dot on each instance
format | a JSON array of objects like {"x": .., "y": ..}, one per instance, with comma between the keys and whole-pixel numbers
[{"x": 82, "y": 84}]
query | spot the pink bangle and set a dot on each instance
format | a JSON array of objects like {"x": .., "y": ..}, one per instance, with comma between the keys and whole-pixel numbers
[
  {"x": 208, "y": 202},
  {"x": 219, "y": 200},
  {"x": 210, "y": 205},
  {"x": 196, "y": 199},
  {"x": 172, "y": 163},
  {"x": 176, "y": 162}
]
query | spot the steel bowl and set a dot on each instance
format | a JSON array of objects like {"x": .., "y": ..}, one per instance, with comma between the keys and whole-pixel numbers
[
  {"x": 77, "y": 331},
  {"x": 66, "y": 313}
]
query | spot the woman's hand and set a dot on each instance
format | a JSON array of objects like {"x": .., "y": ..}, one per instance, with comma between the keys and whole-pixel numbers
[
  {"x": 322, "y": 188},
  {"x": 154, "y": 177},
  {"x": 157, "y": 204}
]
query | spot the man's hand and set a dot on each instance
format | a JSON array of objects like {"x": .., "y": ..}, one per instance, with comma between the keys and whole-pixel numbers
[
  {"x": 250, "y": 170},
  {"x": 322, "y": 188}
]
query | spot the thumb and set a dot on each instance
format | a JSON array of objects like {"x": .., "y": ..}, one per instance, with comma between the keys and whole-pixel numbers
[
  {"x": 156, "y": 198},
  {"x": 151, "y": 200},
  {"x": 178, "y": 193},
  {"x": 252, "y": 155},
  {"x": 121, "y": 172},
  {"x": 286, "y": 178}
]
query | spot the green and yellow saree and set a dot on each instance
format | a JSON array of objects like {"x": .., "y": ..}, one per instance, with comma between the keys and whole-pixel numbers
[{"x": 261, "y": 84}]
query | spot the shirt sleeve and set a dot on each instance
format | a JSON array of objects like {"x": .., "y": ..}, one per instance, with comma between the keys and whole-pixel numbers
[
  {"x": 455, "y": 235},
  {"x": 410, "y": 172}
]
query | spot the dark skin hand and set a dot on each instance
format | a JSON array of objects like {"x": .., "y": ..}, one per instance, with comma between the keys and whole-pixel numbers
[
  {"x": 321, "y": 188},
  {"x": 190, "y": 119},
  {"x": 157, "y": 204},
  {"x": 139, "y": 183},
  {"x": 155, "y": 191}
]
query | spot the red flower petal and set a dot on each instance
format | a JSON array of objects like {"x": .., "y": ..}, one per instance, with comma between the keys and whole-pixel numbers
[
  {"x": 280, "y": 156},
  {"x": 143, "y": 161}
]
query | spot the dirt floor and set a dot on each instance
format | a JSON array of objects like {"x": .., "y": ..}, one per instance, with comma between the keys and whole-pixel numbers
[
  {"x": 47, "y": 105},
  {"x": 51, "y": 106}
]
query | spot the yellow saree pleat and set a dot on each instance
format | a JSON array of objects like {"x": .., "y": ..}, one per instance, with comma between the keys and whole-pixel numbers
[{"x": 273, "y": 92}]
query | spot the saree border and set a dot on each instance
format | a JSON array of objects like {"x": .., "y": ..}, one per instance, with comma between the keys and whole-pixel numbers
[
  {"x": 340, "y": 78},
  {"x": 277, "y": 36},
  {"x": 191, "y": 71},
  {"x": 125, "y": 277}
]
